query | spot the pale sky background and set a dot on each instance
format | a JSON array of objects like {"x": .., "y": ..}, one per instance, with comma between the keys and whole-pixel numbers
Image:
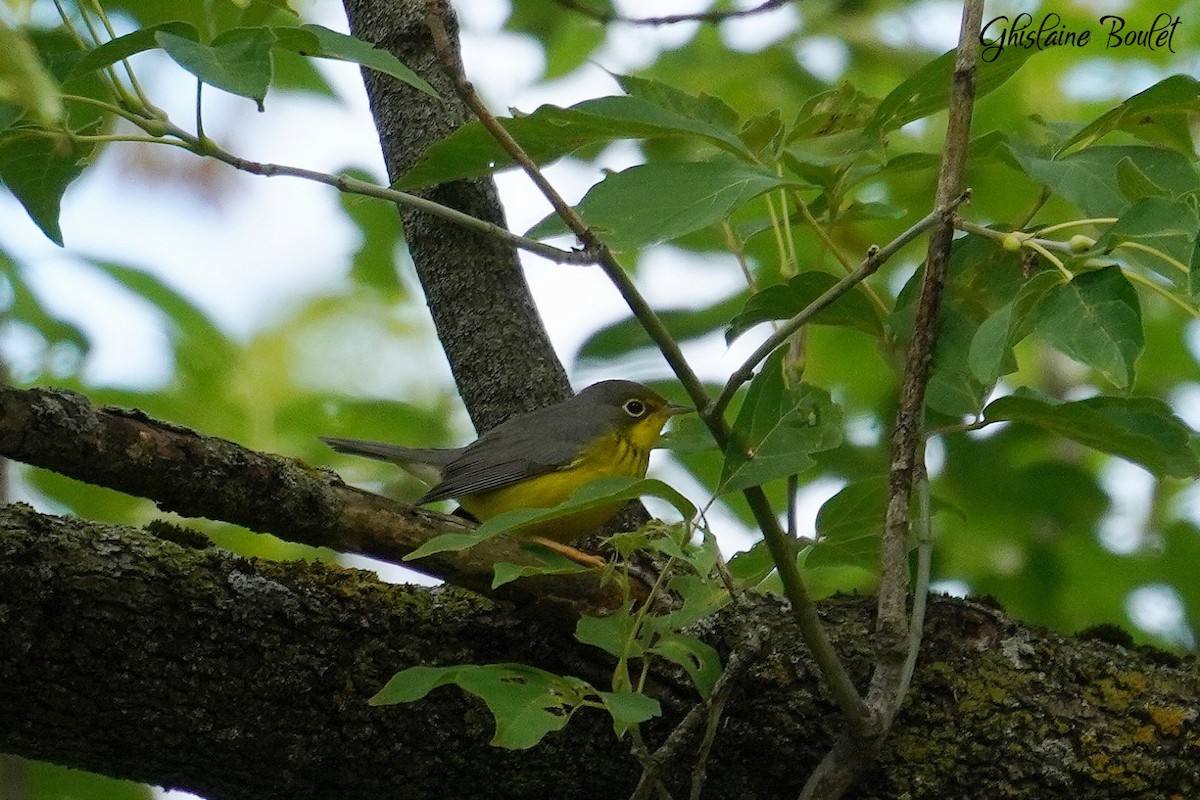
[{"x": 257, "y": 252}]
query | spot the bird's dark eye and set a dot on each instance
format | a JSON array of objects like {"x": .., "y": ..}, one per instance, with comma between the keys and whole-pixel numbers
[{"x": 634, "y": 408}]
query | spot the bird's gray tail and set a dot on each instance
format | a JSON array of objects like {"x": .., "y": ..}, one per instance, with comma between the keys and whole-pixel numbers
[{"x": 426, "y": 463}]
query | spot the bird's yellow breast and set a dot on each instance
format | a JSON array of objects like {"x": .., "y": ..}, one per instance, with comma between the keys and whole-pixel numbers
[{"x": 614, "y": 455}]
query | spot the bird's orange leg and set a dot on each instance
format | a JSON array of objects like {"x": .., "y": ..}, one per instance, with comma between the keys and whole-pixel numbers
[{"x": 578, "y": 556}]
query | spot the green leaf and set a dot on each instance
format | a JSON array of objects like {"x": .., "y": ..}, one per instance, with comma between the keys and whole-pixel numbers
[
  {"x": 615, "y": 633},
  {"x": 953, "y": 388},
  {"x": 928, "y": 90},
  {"x": 991, "y": 355},
  {"x": 1161, "y": 113},
  {"x": 25, "y": 82},
  {"x": 551, "y": 132},
  {"x": 703, "y": 108},
  {"x": 629, "y": 708},
  {"x": 750, "y": 567},
  {"x": 552, "y": 563},
  {"x": 26, "y": 307},
  {"x": 131, "y": 44},
  {"x": 526, "y": 702},
  {"x": 629, "y": 334},
  {"x": 375, "y": 260},
  {"x": 1168, "y": 226},
  {"x": 1088, "y": 178},
  {"x": 238, "y": 60},
  {"x": 698, "y": 659},
  {"x": 1134, "y": 184},
  {"x": 321, "y": 42},
  {"x": 1140, "y": 429},
  {"x": 700, "y": 597},
  {"x": 849, "y": 525},
  {"x": 1096, "y": 319},
  {"x": 203, "y": 351},
  {"x": 777, "y": 429},
  {"x": 595, "y": 494},
  {"x": 786, "y": 300},
  {"x": 654, "y": 203},
  {"x": 37, "y": 167}
]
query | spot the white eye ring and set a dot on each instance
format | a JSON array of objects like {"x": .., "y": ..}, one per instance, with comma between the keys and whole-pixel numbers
[{"x": 634, "y": 408}]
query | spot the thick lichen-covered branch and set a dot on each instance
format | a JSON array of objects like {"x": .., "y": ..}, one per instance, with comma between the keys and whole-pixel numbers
[{"x": 126, "y": 653}]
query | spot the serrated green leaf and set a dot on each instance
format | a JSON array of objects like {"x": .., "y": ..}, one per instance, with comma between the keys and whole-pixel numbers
[
  {"x": 595, "y": 494},
  {"x": 702, "y": 108},
  {"x": 698, "y": 659},
  {"x": 629, "y": 708},
  {"x": 321, "y": 42},
  {"x": 777, "y": 429},
  {"x": 237, "y": 61},
  {"x": 551, "y": 132},
  {"x": 131, "y": 44},
  {"x": 1095, "y": 318},
  {"x": 1140, "y": 429},
  {"x": 526, "y": 702},
  {"x": 1088, "y": 178},
  {"x": 653, "y": 203},
  {"x": 850, "y": 523},
  {"x": 785, "y": 300},
  {"x": 37, "y": 167}
]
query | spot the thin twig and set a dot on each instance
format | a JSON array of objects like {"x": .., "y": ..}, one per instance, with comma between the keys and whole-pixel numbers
[
  {"x": 874, "y": 260},
  {"x": 846, "y": 759},
  {"x": 350, "y": 185},
  {"x": 781, "y": 547},
  {"x": 670, "y": 19}
]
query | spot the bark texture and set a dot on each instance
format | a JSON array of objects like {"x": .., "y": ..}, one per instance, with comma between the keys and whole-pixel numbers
[
  {"x": 126, "y": 653},
  {"x": 472, "y": 283},
  {"x": 205, "y": 476}
]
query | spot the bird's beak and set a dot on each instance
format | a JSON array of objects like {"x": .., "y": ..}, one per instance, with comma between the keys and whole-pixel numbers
[{"x": 674, "y": 410}]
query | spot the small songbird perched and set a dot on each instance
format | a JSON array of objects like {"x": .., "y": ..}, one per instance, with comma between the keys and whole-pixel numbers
[{"x": 540, "y": 458}]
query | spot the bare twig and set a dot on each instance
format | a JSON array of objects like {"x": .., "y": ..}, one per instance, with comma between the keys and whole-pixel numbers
[
  {"x": 781, "y": 547},
  {"x": 846, "y": 759},
  {"x": 892, "y": 623},
  {"x": 876, "y": 257},
  {"x": 714, "y": 17}
]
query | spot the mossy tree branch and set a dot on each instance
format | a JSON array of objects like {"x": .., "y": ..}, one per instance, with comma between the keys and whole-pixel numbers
[{"x": 128, "y": 654}]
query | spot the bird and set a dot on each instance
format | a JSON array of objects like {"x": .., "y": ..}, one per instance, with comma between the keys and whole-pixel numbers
[{"x": 540, "y": 458}]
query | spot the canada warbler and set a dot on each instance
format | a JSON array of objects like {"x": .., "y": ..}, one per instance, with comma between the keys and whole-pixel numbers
[{"x": 540, "y": 458}]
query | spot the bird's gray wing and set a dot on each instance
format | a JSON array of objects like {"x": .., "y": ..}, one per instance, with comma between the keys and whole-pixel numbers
[{"x": 523, "y": 447}]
